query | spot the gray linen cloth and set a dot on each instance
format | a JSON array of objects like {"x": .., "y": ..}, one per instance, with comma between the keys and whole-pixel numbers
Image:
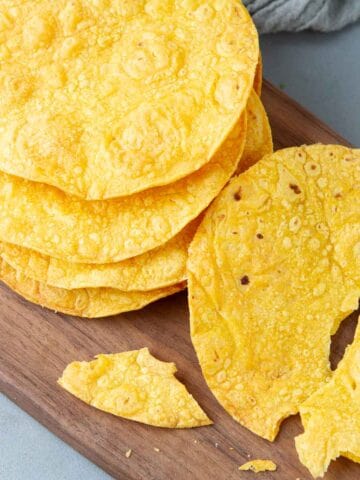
[{"x": 295, "y": 15}]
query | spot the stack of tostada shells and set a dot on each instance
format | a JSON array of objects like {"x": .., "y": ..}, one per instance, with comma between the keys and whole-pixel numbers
[{"x": 120, "y": 122}]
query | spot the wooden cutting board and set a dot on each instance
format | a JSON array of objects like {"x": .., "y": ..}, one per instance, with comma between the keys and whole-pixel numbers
[{"x": 36, "y": 345}]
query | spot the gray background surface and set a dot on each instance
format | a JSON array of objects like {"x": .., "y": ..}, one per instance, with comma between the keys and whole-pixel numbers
[{"x": 322, "y": 72}]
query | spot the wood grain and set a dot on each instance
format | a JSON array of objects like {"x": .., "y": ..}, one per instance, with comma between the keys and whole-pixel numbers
[{"x": 36, "y": 344}]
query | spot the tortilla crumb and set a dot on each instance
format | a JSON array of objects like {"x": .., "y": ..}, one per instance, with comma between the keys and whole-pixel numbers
[
  {"x": 157, "y": 449},
  {"x": 257, "y": 466},
  {"x": 128, "y": 453}
]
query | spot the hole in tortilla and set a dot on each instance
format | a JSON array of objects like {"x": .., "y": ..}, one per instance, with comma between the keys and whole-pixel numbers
[{"x": 342, "y": 338}]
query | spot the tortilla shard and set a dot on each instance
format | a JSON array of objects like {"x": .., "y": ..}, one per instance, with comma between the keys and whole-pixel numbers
[
  {"x": 81, "y": 302},
  {"x": 116, "y": 87},
  {"x": 273, "y": 269},
  {"x": 136, "y": 386},
  {"x": 331, "y": 416}
]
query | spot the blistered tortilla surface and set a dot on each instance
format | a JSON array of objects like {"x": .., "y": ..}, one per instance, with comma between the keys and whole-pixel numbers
[{"x": 104, "y": 99}]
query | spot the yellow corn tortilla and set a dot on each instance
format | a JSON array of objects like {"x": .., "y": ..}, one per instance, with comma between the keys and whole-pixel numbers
[
  {"x": 108, "y": 98},
  {"x": 258, "y": 134},
  {"x": 258, "y": 76},
  {"x": 331, "y": 416},
  {"x": 273, "y": 269},
  {"x": 81, "y": 302},
  {"x": 44, "y": 219},
  {"x": 158, "y": 268},
  {"x": 136, "y": 386}
]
